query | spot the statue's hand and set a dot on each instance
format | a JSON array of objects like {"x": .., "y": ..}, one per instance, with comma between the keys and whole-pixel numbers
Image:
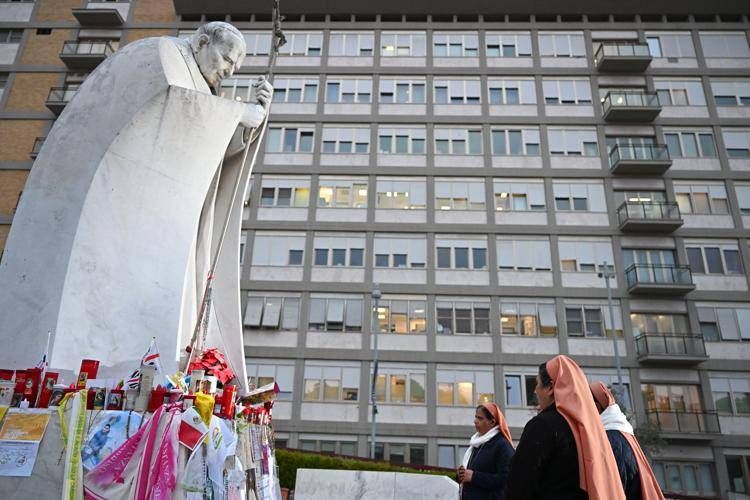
[{"x": 263, "y": 92}]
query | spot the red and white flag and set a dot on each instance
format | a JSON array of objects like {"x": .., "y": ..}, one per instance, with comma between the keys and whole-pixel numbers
[
  {"x": 192, "y": 429},
  {"x": 151, "y": 358}
]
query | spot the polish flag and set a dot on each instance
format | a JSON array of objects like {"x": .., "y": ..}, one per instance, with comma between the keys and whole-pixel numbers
[{"x": 192, "y": 429}]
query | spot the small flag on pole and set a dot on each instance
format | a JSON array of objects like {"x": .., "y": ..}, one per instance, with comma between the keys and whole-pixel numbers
[
  {"x": 134, "y": 380},
  {"x": 151, "y": 358}
]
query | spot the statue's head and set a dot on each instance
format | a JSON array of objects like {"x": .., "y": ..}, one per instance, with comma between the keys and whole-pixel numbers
[{"x": 219, "y": 49}]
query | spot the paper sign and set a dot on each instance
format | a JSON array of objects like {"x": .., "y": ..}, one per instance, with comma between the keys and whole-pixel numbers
[
  {"x": 24, "y": 425},
  {"x": 17, "y": 458}
]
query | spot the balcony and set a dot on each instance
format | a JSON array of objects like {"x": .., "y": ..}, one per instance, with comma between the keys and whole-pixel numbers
[
  {"x": 654, "y": 279},
  {"x": 639, "y": 159},
  {"x": 649, "y": 217},
  {"x": 618, "y": 57},
  {"x": 38, "y": 143},
  {"x": 98, "y": 17},
  {"x": 59, "y": 97},
  {"x": 671, "y": 348},
  {"x": 85, "y": 54},
  {"x": 631, "y": 106},
  {"x": 685, "y": 424}
]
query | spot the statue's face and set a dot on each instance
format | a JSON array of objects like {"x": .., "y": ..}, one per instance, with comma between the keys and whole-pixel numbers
[{"x": 218, "y": 57}]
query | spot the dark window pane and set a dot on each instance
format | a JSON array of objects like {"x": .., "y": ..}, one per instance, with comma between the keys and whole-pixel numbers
[
  {"x": 339, "y": 257},
  {"x": 695, "y": 259},
  {"x": 321, "y": 256},
  {"x": 356, "y": 257},
  {"x": 481, "y": 320},
  {"x": 530, "y": 395},
  {"x": 266, "y": 197},
  {"x": 462, "y": 258},
  {"x": 480, "y": 258},
  {"x": 463, "y": 319},
  {"x": 381, "y": 260},
  {"x": 285, "y": 197},
  {"x": 445, "y": 321},
  {"x": 732, "y": 260},
  {"x": 444, "y": 257},
  {"x": 399, "y": 260},
  {"x": 580, "y": 204},
  {"x": 713, "y": 258},
  {"x": 295, "y": 257}
]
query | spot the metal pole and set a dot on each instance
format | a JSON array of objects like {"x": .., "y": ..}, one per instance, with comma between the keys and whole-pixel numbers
[
  {"x": 375, "y": 327},
  {"x": 607, "y": 275}
]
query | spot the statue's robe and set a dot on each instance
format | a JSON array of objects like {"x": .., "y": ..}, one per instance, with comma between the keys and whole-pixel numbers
[{"x": 111, "y": 242}]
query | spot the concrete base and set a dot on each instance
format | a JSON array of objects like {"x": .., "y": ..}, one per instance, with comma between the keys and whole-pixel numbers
[{"x": 323, "y": 484}]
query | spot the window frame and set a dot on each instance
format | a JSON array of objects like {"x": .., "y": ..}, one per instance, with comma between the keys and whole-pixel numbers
[{"x": 473, "y": 305}]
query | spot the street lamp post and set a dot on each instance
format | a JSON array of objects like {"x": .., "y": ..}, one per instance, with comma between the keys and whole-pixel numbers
[
  {"x": 375, "y": 327},
  {"x": 608, "y": 274}
]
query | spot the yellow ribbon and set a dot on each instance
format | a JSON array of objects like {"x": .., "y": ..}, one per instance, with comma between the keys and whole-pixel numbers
[{"x": 73, "y": 460}]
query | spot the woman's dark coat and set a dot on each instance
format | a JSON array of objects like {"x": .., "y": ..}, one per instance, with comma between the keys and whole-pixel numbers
[{"x": 489, "y": 463}]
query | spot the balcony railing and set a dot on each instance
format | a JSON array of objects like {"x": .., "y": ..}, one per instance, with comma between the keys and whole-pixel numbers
[
  {"x": 694, "y": 422},
  {"x": 622, "y": 56},
  {"x": 59, "y": 97},
  {"x": 649, "y": 216},
  {"x": 670, "y": 345},
  {"x": 635, "y": 105},
  {"x": 638, "y": 152},
  {"x": 38, "y": 143},
  {"x": 659, "y": 278},
  {"x": 85, "y": 54}
]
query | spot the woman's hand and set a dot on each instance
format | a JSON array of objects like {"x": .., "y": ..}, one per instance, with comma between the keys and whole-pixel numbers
[
  {"x": 468, "y": 473},
  {"x": 460, "y": 472}
]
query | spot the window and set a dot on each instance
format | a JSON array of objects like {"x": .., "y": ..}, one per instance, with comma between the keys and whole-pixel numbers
[
  {"x": 658, "y": 323},
  {"x": 294, "y": 90},
  {"x": 743, "y": 197},
  {"x": 349, "y": 90},
  {"x": 346, "y": 140},
  {"x": 335, "y": 314},
  {"x": 518, "y": 142},
  {"x": 737, "y": 143},
  {"x": 573, "y": 142},
  {"x": 714, "y": 258},
  {"x": 609, "y": 378},
  {"x": 348, "y": 192},
  {"x": 339, "y": 249},
  {"x": 731, "y": 395},
  {"x": 689, "y": 144},
  {"x": 262, "y": 372},
  {"x": 285, "y": 192},
  {"x": 278, "y": 249},
  {"x": 10, "y": 36},
  {"x": 705, "y": 199},
  {"x": 400, "y": 251},
  {"x": 289, "y": 140},
  {"x": 400, "y": 384},
  {"x": 584, "y": 255},
  {"x": 401, "y": 193},
  {"x": 522, "y": 91},
  {"x": 464, "y": 387},
  {"x": 731, "y": 92},
  {"x": 459, "y": 194},
  {"x": 324, "y": 382},
  {"x": 457, "y": 317},
  {"x": 738, "y": 469},
  {"x": 527, "y": 318},
  {"x": 724, "y": 323},
  {"x": 403, "y": 44},
  {"x": 508, "y": 44},
  {"x": 402, "y": 316},
  {"x": 449, "y": 455},
  {"x": 523, "y": 253},
  {"x": 519, "y": 390},
  {"x": 511, "y": 195},
  {"x": 457, "y": 91},
  {"x": 461, "y": 253},
  {"x": 458, "y": 141},
  {"x": 568, "y": 91},
  {"x": 300, "y": 43},
  {"x": 680, "y": 92},
  {"x": 402, "y": 90},
  {"x": 671, "y": 398},
  {"x": 271, "y": 312},
  {"x": 591, "y": 320},
  {"x": 400, "y": 140},
  {"x": 347, "y": 448},
  {"x": 579, "y": 197},
  {"x": 691, "y": 478},
  {"x": 724, "y": 44},
  {"x": 450, "y": 44},
  {"x": 561, "y": 44},
  {"x": 258, "y": 44},
  {"x": 351, "y": 44},
  {"x": 670, "y": 45}
]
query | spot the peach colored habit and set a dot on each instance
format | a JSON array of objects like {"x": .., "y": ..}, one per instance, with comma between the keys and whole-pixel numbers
[
  {"x": 500, "y": 420},
  {"x": 597, "y": 469},
  {"x": 650, "y": 489}
]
